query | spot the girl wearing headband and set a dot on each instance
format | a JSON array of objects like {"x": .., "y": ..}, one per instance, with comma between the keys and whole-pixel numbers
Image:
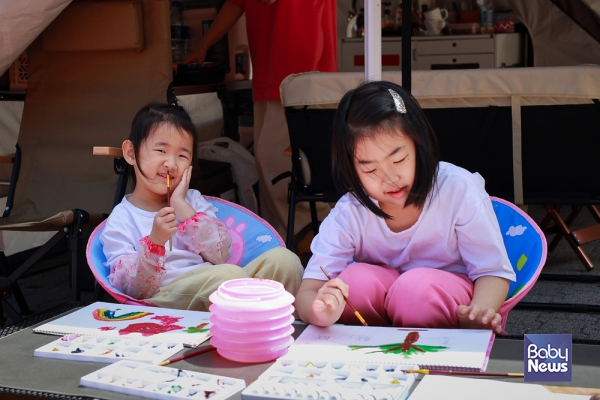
[{"x": 415, "y": 241}]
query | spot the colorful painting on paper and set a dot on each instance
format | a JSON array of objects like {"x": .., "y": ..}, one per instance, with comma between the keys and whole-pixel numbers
[
  {"x": 121, "y": 320},
  {"x": 439, "y": 348}
]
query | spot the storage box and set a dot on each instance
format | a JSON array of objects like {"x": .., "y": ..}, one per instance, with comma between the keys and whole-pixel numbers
[{"x": 504, "y": 23}]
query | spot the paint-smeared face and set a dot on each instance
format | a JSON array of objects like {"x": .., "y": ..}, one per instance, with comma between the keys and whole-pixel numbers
[{"x": 385, "y": 165}]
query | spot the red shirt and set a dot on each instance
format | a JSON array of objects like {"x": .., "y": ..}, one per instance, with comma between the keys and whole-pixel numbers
[{"x": 287, "y": 37}]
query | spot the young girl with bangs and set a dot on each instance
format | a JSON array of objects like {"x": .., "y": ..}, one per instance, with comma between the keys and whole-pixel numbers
[
  {"x": 415, "y": 241},
  {"x": 160, "y": 147}
]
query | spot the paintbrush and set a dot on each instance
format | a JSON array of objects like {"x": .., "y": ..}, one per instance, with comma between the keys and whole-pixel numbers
[
  {"x": 360, "y": 318},
  {"x": 188, "y": 355},
  {"x": 169, "y": 205},
  {"x": 475, "y": 373}
]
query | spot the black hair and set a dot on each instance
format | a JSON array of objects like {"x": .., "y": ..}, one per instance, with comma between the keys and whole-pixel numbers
[
  {"x": 150, "y": 117},
  {"x": 367, "y": 111}
]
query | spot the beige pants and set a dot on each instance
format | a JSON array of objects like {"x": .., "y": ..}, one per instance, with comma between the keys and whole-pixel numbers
[
  {"x": 271, "y": 138},
  {"x": 191, "y": 290}
]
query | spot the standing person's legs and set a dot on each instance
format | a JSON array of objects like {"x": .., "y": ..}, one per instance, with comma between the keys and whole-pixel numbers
[
  {"x": 428, "y": 298},
  {"x": 271, "y": 138},
  {"x": 191, "y": 290},
  {"x": 369, "y": 285}
]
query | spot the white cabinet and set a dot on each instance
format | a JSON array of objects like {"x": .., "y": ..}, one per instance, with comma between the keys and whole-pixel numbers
[
  {"x": 439, "y": 52},
  {"x": 352, "y": 54},
  {"x": 451, "y": 52}
]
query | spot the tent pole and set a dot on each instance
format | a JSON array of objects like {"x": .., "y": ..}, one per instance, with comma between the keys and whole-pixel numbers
[
  {"x": 372, "y": 40},
  {"x": 406, "y": 45}
]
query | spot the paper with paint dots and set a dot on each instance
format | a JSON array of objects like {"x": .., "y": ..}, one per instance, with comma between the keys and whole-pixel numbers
[
  {"x": 304, "y": 379},
  {"x": 156, "y": 382},
  {"x": 108, "y": 350}
]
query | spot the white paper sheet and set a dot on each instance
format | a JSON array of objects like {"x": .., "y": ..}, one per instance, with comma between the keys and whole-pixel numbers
[{"x": 440, "y": 386}]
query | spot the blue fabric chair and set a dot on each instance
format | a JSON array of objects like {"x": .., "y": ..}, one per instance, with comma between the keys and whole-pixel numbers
[
  {"x": 251, "y": 236},
  {"x": 526, "y": 247}
]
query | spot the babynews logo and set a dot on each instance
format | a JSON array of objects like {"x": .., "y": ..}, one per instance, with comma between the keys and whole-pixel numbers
[{"x": 548, "y": 358}]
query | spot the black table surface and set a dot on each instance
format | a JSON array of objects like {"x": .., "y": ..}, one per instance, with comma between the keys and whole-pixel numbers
[{"x": 21, "y": 374}]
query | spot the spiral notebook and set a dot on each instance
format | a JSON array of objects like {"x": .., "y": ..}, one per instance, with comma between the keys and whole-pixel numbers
[
  {"x": 456, "y": 349},
  {"x": 109, "y": 320}
]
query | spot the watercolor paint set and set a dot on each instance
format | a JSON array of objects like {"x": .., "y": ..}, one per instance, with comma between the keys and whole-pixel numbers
[
  {"x": 303, "y": 379},
  {"x": 144, "y": 380},
  {"x": 108, "y": 350}
]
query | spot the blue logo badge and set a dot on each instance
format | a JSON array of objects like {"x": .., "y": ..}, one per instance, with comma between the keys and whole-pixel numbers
[{"x": 548, "y": 358}]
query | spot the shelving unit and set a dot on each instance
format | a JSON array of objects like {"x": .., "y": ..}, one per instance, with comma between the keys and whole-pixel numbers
[{"x": 440, "y": 52}]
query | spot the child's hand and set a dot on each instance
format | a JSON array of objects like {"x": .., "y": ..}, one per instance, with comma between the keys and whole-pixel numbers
[
  {"x": 183, "y": 209},
  {"x": 475, "y": 317},
  {"x": 178, "y": 194},
  {"x": 164, "y": 226},
  {"x": 329, "y": 303}
]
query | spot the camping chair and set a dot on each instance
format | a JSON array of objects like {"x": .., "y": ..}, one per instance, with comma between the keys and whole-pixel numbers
[
  {"x": 90, "y": 71},
  {"x": 310, "y": 133},
  {"x": 251, "y": 236},
  {"x": 525, "y": 244}
]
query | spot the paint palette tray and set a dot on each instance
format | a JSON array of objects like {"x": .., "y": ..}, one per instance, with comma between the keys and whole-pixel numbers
[
  {"x": 107, "y": 350},
  {"x": 331, "y": 381},
  {"x": 139, "y": 379}
]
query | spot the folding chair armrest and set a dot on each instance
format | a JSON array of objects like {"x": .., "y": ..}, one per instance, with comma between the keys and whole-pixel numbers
[
  {"x": 108, "y": 151},
  {"x": 10, "y": 159}
]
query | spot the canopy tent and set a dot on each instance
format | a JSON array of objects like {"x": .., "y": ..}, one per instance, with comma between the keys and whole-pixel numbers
[
  {"x": 557, "y": 39},
  {"x": 21, "y": 22}
]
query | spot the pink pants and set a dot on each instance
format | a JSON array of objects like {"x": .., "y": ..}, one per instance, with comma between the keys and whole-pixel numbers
[{"x": 419, "y": 298}]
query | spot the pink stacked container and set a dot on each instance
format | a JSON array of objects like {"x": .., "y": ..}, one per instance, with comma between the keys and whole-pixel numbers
[{"x": 252, "y": 320}]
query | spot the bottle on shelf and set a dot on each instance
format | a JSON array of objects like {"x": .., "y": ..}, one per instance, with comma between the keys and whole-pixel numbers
[
  {"x": 487, "y": 15},
  {"x": 180, "y": 33}
]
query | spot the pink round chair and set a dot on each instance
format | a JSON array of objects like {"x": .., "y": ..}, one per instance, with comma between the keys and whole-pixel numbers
[{"x": 251, "y": 236}]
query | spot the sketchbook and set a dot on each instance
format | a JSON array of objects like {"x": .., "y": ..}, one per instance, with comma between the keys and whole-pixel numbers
[
  {"x": 456, "y": 349},
  {"x": 109, "y": 320},
  {"x": 438, "y": 387}
]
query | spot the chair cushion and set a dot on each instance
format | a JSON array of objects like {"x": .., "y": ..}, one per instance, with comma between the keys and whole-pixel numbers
[
  {"x": 524, "y": 242},
  {"x": 251, "y": 237}
]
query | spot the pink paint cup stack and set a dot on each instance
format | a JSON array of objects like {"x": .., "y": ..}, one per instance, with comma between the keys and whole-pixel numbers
[{"x": 252, "y": 320}]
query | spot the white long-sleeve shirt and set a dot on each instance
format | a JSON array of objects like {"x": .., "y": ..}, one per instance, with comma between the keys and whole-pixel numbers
[
  {"x": 457, "y": 231},
  {"x": 139, "y": 267}
]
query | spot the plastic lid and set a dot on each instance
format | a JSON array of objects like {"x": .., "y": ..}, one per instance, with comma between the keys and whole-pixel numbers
[{"x": 251, "y": 294}]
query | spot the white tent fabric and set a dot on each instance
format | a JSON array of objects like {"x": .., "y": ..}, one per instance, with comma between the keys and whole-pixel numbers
[
  {"x": 21, "y": 22},
  {"x": 557, "y": 40}
]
